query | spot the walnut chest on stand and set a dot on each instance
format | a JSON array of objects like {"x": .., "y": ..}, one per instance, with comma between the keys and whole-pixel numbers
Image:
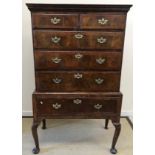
[{"x": 78, "y": 53}]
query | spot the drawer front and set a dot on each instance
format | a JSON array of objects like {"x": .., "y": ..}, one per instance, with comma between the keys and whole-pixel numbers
[
  {"x": 82, "y": 60},
  {"x": 53, "y": 105},
  {"x": 77, "y": 40},
  {"x": 77, "y": 81},
  {"x": 54, "y": 20},
  {"x": 102, "y": 21}
]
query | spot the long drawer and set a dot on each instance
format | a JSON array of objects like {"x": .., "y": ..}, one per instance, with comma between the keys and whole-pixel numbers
[
  {"x": 46, "y": 39},
  {"x": 57, "y": 81},
  {"x": 81, "y": 60},
  {"x": 48, "y": 104}
]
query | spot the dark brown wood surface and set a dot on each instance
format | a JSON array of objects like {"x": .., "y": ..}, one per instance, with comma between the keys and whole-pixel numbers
[
  {"x": 111, "y": 104},
  {"x": 33, "y": 7},
  {"x": 68, "y": 107},
  {"x": 68, "y": 81},
  {"x": 91, "y": 21},
  {"x": 40, "y": 20},
  {"x": 68, "y": 40},
  {"x": 77, "y": 60}
]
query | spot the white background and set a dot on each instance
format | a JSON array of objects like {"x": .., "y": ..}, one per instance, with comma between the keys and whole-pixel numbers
[
  {"x": 11, "y": 77},
  {"x": 28, "y": 64}
]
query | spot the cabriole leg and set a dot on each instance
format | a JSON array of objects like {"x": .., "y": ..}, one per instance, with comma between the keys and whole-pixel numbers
[
  {"x": 35, "y": 136},
  {"x": 115, "y": 138}
]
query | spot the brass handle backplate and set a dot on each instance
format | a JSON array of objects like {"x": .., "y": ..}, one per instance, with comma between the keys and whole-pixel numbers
[
  {"x": 78, "y": 36},
  {"x": 56, "y": 60},
  {"x": 100, "y": 60},
  {"x": 99, "y": 80},
  {"x": 78, "y": 76},
  {"x": 55, "y": 20},
  {"x": 102, "y": 21},
  {"x": 98, "y": 106},
  {"x": 78, "y": 56},
  {"x": 57, "y": 80},
  {"x": 101, "y": 40},
  {"x": 77, "y": 101},
  {"x": 56, "y": 106},
  {"x": 55, "y": 39}
]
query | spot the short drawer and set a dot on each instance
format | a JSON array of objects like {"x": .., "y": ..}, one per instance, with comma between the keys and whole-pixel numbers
[
  {"x": 75, "y": 104},
  {"x": 57, "y": 81},
  {"x": 77, "y": 40},
  {"x": 44, "y": 20},
  {"x": 102, "y": 21},
  {"x": 81, "y": 60}
]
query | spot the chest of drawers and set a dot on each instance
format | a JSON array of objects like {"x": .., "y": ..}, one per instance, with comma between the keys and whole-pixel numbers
[{"x": 77, "y": 57}]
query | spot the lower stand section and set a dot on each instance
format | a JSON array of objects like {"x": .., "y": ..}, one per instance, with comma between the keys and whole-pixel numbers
[{"x": 36, "y": 123}]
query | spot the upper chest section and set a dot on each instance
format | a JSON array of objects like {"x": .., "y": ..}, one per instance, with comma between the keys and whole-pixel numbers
[
  {"x": 52, "y": 16},
  {"x": 78, "y": 20}
]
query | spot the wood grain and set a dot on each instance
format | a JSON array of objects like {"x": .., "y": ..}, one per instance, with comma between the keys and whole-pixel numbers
[
  {"x": 69, "y": 60},
  {"x": 91, "y": 21},
  {"x": 44, "y": 81},
  {"x": 68, "y": 41},
  {"x": 40, "y": 20}
]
